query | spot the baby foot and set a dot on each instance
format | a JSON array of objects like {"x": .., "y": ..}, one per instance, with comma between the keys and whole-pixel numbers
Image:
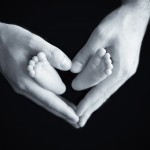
[
  {"x": 45, "y": 75},
  {"x": 98, "y": 68}
]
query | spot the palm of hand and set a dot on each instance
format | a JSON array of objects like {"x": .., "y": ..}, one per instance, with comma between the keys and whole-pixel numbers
[{"x": 120, "y": 38}]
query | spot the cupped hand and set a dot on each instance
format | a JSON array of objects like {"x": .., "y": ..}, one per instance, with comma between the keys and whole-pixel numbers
[
  {"x": 17, "y": 46},
  {"x": 121, "y": 34}
]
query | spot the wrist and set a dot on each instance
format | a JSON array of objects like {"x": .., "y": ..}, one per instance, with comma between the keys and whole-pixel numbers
[
  {"x": 136, "y": 2},
  {"x": 143, "y": 5},
  {"x": 140, "y": 8}
]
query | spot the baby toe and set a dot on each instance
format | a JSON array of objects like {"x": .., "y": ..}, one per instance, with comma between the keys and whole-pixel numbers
[
  {"x": 41, "y": 56},
  {"x": 107, "y": 56},
  {"x": 101, "y": 52},
  {"x": 109, "y": 66},
  {"x": 35, "y": 59},
  {"x": 29, "y": 68},
  {"x": 108, "y": 61},
  {"x": 32, "y": 73},
  {"x": 32, "y": 63},
  {"x": 108, "y": 71}
]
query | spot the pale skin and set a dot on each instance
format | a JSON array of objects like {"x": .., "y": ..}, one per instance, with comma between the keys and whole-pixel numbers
[
  {"x": 45, "y": 75},
  {"x": 41, "y": 71},
  {"x": 121, "y": 33},
  {"x": 100, "y": 67},
  {"x": 117, "y": 33},
  {"x": 17, "y": 46}
]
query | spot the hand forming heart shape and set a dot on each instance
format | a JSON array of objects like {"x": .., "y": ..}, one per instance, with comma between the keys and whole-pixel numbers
[{"x": 120, "y": 33}]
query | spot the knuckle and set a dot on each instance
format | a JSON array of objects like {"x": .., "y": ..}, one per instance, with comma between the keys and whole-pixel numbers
[
  {"x": 16, "y": 89},
  {"x": 100, "y": 32},
  {"x": 86, "y": 52},
  {"x": 55, "y": 52},
  {"x": 31, "y": 41},
  {"x": 21, "y": 85}
]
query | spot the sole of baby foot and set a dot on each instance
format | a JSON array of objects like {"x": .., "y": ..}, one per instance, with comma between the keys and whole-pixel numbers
[
  {"x": 45, "y": 75},
  {"x": 98, "y": 68}
]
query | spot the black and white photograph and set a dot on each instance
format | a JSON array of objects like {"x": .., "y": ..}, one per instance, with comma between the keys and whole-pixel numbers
[{"x": 75, "y": 75}]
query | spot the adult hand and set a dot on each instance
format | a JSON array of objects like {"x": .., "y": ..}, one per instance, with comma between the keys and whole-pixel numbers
[
  {"x": 121, "y": 34},
  {"x": 17, "y": 46}
]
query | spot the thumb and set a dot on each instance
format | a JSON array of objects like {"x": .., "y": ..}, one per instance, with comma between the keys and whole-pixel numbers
[
  {"x": 58, "y": 59},
  {"x": 55, "y": 56},
  {"x": 94, "y": 43},
  {"x": 81, "y": 59}
]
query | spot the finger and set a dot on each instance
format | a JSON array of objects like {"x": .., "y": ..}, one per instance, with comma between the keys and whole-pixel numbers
[
  {"x": 84, "y": 118},
  {"x": 56, "y": 57},
  {"x": 83, "y": 56},
  {"x": 73, "y": 106},
  {"x": 74, "y": 124},
  {"x": 50, "y": 101},
  {"x": 101, "y": 92}
]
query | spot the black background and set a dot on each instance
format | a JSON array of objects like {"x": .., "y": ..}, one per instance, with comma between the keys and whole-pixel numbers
[{"x": 122, "y": 123}]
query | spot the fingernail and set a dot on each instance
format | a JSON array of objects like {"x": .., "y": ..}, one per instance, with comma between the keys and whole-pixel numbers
[
  {"x": 66, "y": 64},
  {"x": 79, "y": 112},
  {"x": 76, "y": 126},
  {"x": 81, "y": 124},
  {"x": 76, "y": 67},
  {"x": 75, "y": 119}
]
